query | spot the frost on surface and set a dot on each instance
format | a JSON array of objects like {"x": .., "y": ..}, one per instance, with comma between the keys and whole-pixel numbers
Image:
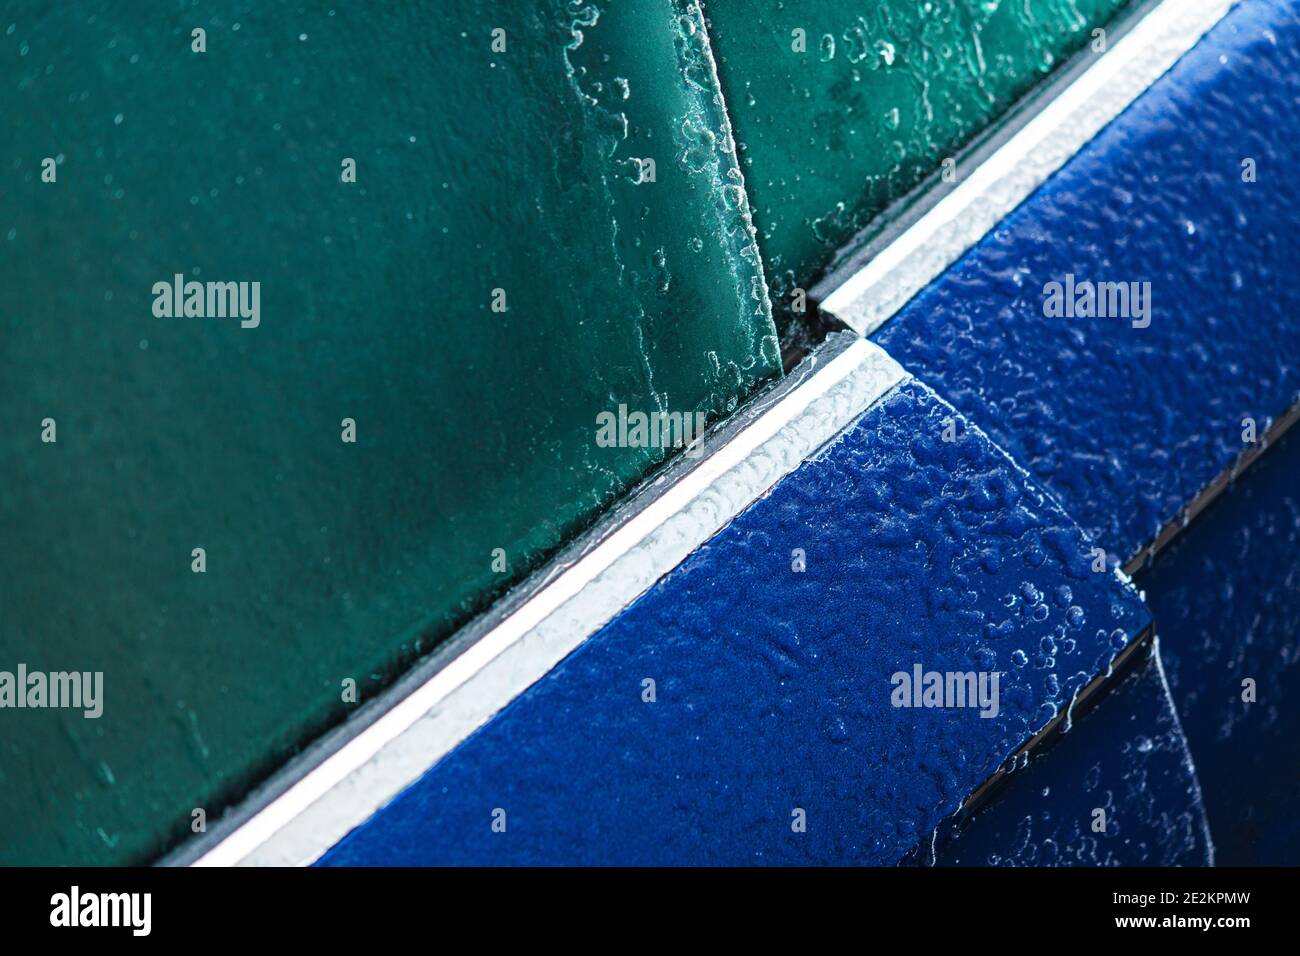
[
  {"x": 1227, "y": 595},
  {"x": 495, "y": 277},
  {"x": 680, "y": 237},
  {"x": 1117, "y": 789},
  {"x": 1222, "y": 342},
  {"x": 922, "y": 552},
  {"x": 841, "y": 107}
]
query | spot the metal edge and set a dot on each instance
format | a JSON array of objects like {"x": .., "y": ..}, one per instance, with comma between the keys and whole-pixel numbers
[
  {"x": 1049, "y": 129},
  {"x": 341, "y": 779},
  {"x": 1220, "y": 483}
]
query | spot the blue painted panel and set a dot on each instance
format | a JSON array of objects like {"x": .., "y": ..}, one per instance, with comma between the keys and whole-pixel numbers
[
  {"x": 1226, "y": 598},
  {"x": 1125, "y": 425},
  {"x": 1118, "y": 789},
  {"x": 773, "y": 686}
]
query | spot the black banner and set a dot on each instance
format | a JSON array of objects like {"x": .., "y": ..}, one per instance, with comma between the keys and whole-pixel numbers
[{"x": 338, "y": 906}]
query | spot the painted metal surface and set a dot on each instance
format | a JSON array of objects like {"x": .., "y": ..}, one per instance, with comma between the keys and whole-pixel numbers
[
  {"x": 772, "y": 685},
  {"x": 1118, "y": 789},
  {"x": 841, "y": 107},
  {"x": 500, "y": 272},
  {"x": 1126, "y": 418},
  {"x": 394, "y": 738},
  {"x": 1226, "y": 598},
  {"x": 926, "y": 232}
]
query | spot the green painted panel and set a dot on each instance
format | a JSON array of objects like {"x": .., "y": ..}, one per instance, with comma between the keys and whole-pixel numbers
[
  {"x": 514, "y": 169},
  {"x": 835, "y": 123}
]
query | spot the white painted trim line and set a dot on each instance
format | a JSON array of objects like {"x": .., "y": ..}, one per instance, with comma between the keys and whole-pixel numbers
[
  {"x": 1043, "y": 145},
  {"x": 382, "y": 758}
]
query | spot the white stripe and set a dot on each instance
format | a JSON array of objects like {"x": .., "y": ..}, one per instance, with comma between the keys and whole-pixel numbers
[
  {"x": 392, "y": 752},
  {"x": 428, "y": 720},
  {"x": 1018, "y": 167}
]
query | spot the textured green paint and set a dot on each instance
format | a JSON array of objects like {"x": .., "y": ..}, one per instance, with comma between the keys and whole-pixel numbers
[
  {"x": 476, "y": 170},
  {"x": 885, "y": 90}
]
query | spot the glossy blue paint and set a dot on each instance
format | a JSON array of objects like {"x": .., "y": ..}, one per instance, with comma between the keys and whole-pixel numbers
[
  {"x": 1126, "y": 758},
  {"x": 1126, "y": 424},
  {"x": 1226, "y": 598},
  {"x": 773, "y": 685}
]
